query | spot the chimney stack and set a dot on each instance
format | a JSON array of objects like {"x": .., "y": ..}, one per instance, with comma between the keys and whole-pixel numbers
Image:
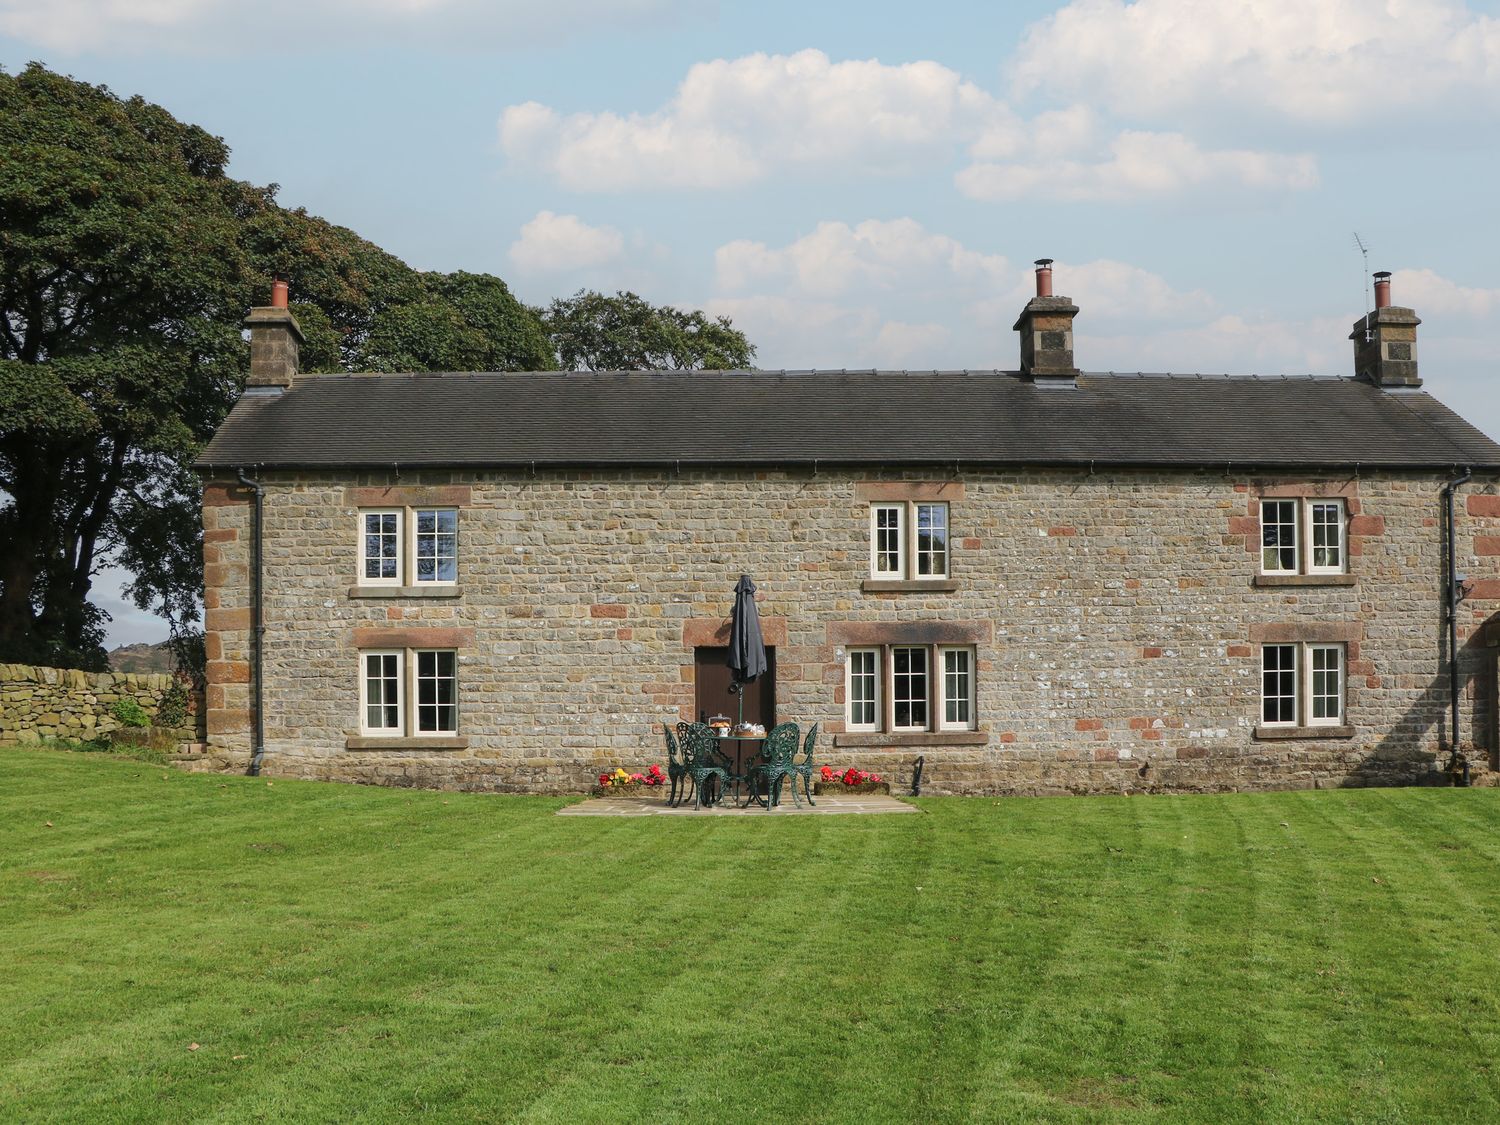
[
  {"x": 275, "y": 341},
  {"x": 1046, "y": 328},
  {"x": 1385, "y": 341}
]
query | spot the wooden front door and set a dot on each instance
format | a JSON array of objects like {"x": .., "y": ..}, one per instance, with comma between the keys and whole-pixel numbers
[{"x": 712, "y": 697}]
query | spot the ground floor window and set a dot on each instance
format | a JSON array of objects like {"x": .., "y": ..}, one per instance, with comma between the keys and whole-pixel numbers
[
  {"x": 905, "y": 688},
  {"x": 1302, "y": 684},
  {"x": 389, "y": 678}
]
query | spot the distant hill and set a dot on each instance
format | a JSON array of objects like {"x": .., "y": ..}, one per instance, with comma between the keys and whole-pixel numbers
[{"x": 142, "y": 658}]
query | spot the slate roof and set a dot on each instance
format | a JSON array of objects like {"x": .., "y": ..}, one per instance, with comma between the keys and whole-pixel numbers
[{"x": 855, "y": 417}]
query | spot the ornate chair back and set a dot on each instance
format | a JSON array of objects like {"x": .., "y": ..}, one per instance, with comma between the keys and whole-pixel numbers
[
  {"x": 674, "y": 756},
  {"x": 781, "y": 746},
  {"x": 699, "y": 746},
  {"x": 805, "y": 762}
]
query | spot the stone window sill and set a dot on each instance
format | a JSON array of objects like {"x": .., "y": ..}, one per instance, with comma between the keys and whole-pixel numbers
[
  {"x": 1276, "y": 734},
  {"x": 431, "y": 742},
  {"x": 875, "y": 739},
  {"x": 1305, "y": 580},
  {"x": 423, "y": 591},
  {"x": 898, "y": 586}
]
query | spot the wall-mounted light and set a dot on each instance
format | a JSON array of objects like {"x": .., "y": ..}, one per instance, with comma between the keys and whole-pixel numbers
[{"x": 839, "y": 655}]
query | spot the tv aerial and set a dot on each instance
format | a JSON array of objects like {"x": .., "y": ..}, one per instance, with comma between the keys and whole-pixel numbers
[{"x": 1364, "y": 250}]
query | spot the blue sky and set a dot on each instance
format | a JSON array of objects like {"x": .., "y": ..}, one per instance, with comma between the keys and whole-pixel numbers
[{"x": 867, "y": 184}]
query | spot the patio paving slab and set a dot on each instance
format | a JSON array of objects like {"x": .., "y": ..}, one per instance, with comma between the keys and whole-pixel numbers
[{"x": 869, "y": 805}]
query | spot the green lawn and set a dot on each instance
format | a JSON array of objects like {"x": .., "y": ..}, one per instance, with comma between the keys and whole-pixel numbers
[{"x": 344, "y": 953}]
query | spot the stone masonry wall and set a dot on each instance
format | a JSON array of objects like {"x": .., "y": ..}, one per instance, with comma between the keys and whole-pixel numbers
[
  {"x": 1116, "y": 616},
  {"x": 38, "y": 703}
]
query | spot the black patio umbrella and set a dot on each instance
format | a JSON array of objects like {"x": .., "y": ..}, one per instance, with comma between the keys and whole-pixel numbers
[{"x": 747, "y": 649}]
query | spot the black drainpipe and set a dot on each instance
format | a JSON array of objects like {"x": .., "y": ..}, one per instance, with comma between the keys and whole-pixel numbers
[
  {"x": 257, "y": 630},
  {"x": 1457, "y": 763}
]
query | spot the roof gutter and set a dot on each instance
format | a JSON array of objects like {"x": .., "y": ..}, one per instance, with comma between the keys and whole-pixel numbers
[
  {"x": 257, "y": 626},
  {"x": 530, "y": 465}
]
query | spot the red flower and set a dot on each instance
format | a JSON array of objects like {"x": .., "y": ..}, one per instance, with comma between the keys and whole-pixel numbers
[
  {"x": 604, "y": 780},
  {"x": 827, "y": 773},
  {"x": 875, "y": 777}
]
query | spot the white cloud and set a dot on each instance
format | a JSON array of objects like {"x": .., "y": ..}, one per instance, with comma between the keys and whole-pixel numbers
[
  {"x": 1434, "y": 295},
  {"x": 1139, "y": 166},
  {"x": 1253, "y": 343},
  {"x": 891, "y": 293},
  {"x": 552, "y": 243},
  {"x": 796, "y": 333},
  {"x": 1106, "y": 291},
  {"x": 222, "y": 25},
  {"x": 1326, "y": 62},
  {"x": 837, "y": 257},
  {"x": 906, "y": 345},
  {"x": 734, "y": 121}
]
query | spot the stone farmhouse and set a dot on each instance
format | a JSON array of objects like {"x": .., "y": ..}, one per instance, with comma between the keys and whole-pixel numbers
[{"x": 1034, "y": 581}]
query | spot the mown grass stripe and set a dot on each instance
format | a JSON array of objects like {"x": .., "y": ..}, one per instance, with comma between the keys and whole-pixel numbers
[{"x": 378, "y": 955}]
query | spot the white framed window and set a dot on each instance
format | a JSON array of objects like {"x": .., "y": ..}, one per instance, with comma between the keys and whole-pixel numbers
[
  {"x": 958, "y": 688},
  {"x": 437, "y": 691},
  {"x": 911, "y": 690},
  {"x": 862, "y": 690},
  {"x": 1325, "y": 685},
  {"x": 435, "y": 545},
  {"x": 1325, "y": 536},
  {"x": 380, "y": 546},
  {"x": 909, "y": 540},
  {"x": 932, "y": 540},
  {"x": 408, "y": 546},
  {"x": 381, "y": 697},
  {"x": 408, "y": 692},
  {"x": 1302, "y": 685},
  {"x": 1278, "y": 685},
  {"x": 888, "y": 540},
  {"x": 1303, "y": 536},
  {"x": 1278, "y": 536}
]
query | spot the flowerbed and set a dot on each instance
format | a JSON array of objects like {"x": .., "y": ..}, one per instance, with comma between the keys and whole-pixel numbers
[
  {"x": 621, "y": 784},
  {"x": 850, "y": 781}
]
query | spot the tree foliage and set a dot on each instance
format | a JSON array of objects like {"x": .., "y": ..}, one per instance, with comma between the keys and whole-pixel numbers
[
  {"x": 127, "y": 261},
  {"x": 594, "y": 332}
]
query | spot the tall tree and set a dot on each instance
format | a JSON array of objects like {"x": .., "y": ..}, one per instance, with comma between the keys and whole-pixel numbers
[
  {"x": 595, "y": 332},
  {"x": 127, "y": 261},
  {"x": 121, "y": 281}
]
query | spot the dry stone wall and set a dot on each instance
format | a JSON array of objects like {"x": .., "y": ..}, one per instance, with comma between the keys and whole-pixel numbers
[
  {"x": 41, "y": 703},
  {"x": 1116, "y": 616}
]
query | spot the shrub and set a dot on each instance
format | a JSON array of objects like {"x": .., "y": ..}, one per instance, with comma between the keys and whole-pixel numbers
[
  {"x": 172, "y": 712},
  {"x": 129, "y": 713}
]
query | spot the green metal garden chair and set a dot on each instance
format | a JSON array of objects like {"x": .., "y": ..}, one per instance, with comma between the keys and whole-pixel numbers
[
  {"x": 677, "y": 770},
  {"x": 776, "y": 764},
  {"x": 803, "y": 766},
  {"x": 701, "y": 754}
]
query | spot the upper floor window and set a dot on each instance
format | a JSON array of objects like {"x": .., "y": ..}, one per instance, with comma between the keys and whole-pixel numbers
[
  {"x": 1302, "y": 536},
  {"x": 408, "y": 546},
  {"x": 380, "y": 547},
  {"x": 909, "y": 540}
]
